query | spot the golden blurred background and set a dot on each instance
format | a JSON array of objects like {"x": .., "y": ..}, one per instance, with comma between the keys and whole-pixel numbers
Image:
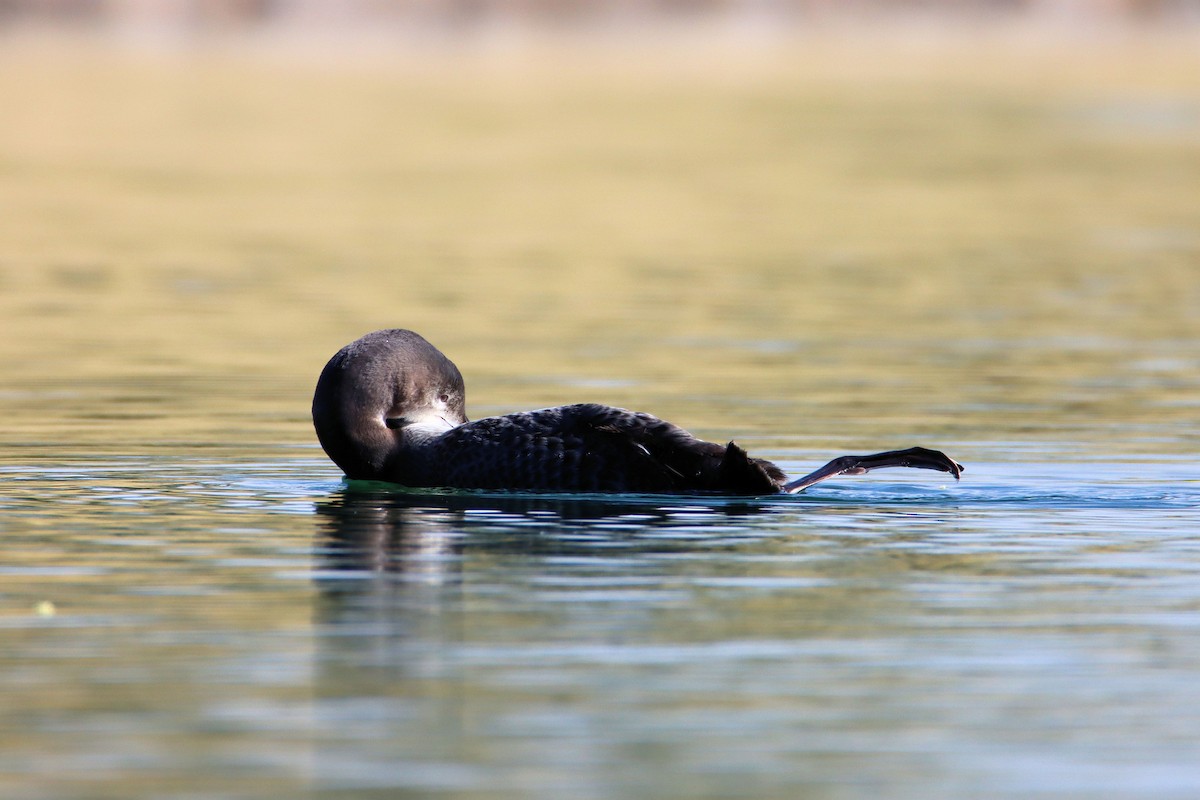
[{"x": 811, "y": 224}]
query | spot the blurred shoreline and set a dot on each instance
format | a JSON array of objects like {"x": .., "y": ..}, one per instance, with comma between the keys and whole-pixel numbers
[
  {"x": 375, "y": 29},
  {"x": 938, "y": 52}
]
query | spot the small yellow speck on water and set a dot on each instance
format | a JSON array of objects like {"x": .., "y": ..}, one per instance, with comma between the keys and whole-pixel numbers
[{"x": 45, "y": 609}]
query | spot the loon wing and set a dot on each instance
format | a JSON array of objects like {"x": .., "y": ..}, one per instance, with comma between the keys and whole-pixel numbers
[{"x": 594, "y": 448}]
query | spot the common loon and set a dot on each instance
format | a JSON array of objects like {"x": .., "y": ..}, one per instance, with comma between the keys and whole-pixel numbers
[{"x": 390, "y": 407}]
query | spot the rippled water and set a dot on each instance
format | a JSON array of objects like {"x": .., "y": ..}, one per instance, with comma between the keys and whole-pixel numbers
[
  {"x": 200, "y": 628},
  {"x": 852, "y": 247}
]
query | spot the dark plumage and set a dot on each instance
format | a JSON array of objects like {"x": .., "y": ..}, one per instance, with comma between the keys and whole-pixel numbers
[{"x": 391, "y": 407}]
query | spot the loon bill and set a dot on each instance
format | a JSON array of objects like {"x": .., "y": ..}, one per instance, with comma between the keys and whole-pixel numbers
[{"x": 391, "y": 407}]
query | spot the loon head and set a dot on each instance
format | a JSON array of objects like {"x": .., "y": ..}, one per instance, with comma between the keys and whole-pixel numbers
[{"x": 382, "y": 393}]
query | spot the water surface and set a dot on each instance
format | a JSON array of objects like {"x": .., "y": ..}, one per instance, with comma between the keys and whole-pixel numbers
[
  {"x": 839, "y": 249},
  {"x": 265, "y": 628}
]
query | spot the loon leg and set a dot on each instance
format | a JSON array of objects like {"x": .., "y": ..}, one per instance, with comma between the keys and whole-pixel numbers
[{"x": 917, "y": 457}]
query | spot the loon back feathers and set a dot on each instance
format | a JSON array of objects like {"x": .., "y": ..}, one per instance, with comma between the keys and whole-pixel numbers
[{"x": 594, "y": 448}]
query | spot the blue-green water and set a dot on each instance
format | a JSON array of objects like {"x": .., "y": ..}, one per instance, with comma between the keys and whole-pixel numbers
[{"x": 201, "y": 628}]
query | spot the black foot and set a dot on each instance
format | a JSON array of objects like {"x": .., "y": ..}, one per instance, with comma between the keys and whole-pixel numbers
[{"x": 916, "y": 457}]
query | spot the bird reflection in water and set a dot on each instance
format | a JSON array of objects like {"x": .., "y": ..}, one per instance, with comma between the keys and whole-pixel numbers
[
  {"x": 402, "y": 573},
  {"x": 379, "y": 528}
]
